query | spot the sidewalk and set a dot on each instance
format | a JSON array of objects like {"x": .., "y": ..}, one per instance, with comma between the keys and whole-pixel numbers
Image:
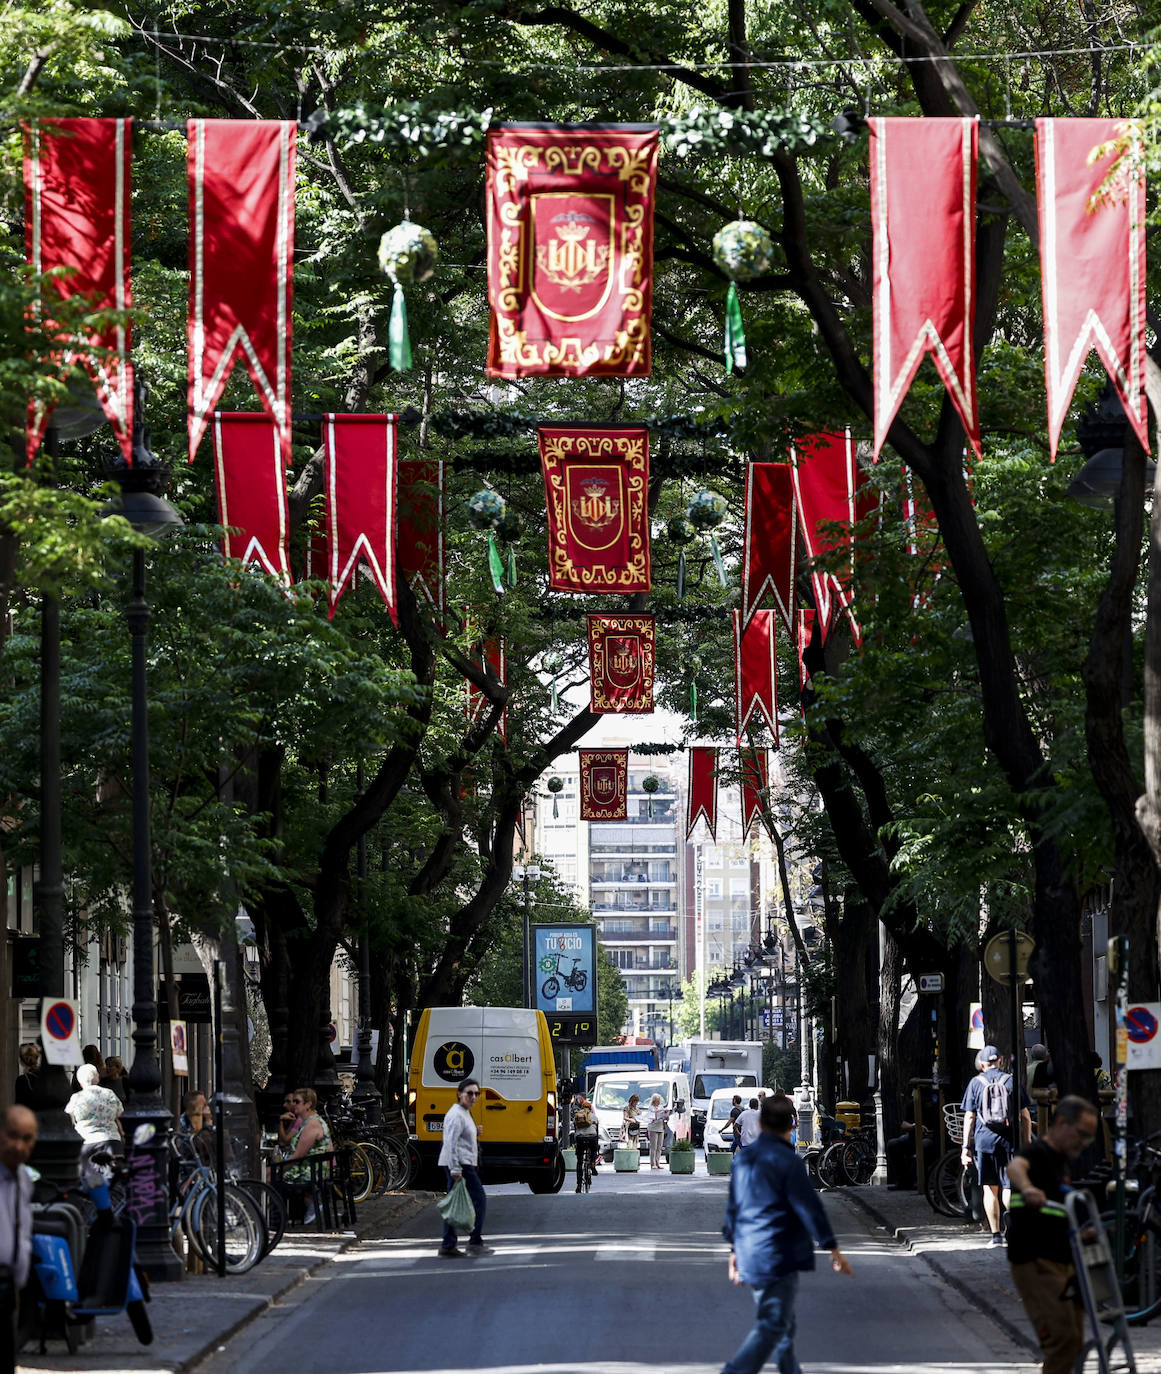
[
  {"x": 194, "y": 1317},
  {"x": 960, "y": 1254}
]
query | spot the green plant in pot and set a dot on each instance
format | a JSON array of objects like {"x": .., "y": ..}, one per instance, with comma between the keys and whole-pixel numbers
[{"x": 681, "y": 1156}]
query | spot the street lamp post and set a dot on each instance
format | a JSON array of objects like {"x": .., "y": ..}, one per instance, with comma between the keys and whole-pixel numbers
[
  {"x": 366, "y": 1094},
  {"x": 140, "y": 502}
]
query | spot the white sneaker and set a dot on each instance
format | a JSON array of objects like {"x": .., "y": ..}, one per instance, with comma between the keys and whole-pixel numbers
[{"x": 309, "y": 1216}]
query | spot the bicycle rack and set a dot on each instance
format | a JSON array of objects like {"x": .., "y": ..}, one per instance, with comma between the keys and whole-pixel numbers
[{"x": 1096, "y": 1277}]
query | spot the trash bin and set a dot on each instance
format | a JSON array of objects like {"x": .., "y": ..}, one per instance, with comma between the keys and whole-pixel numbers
[{"x": 848, "y": 1114}]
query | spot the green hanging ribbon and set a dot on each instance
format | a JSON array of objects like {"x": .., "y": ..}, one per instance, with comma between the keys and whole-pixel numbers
[
  {"x": 398, "y": 339},
  {"x": 511, "y": 566},
  {"x": 693, "y": 702},
  {"x": 650, "y": 808},
  {"x": 721, "y": 567},
  {"x": 555, "y": 698},
  {"x": 495, "y": 564},
  {"x": 555, "y": 808},
  {"x": 735, "y": 343},
  {"x": 681, "y": 574}
]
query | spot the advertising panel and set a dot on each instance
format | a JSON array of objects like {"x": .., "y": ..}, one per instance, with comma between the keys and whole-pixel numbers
[{"x": 564, "y": 980}]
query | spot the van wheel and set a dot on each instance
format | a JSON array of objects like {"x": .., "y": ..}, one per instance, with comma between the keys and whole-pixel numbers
[{"x": 553, "y": 1182}]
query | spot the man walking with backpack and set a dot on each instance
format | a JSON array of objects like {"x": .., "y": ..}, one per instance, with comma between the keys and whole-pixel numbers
[{"x": 987, "y": 1133}]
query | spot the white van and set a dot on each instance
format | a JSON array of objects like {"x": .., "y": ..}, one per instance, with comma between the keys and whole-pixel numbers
[{"x": 611, "y": 1094}]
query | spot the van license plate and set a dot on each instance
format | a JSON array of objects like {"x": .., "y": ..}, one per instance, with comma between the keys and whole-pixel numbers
[{"x": 435, "y": 1126}]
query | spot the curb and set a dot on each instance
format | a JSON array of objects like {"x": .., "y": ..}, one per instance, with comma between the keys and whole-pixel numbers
[
  {"x": 408, "y": 1205},
  {"x": 900, "y": 1235}
]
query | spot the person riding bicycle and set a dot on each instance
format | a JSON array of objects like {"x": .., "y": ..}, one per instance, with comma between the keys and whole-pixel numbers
[{"x": 584, "y": 1124}]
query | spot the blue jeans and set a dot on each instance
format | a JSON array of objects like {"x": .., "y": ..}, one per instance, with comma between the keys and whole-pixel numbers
[
  {"x": 479, "y": 1202},
  {"x": 773, "y": 1330}
]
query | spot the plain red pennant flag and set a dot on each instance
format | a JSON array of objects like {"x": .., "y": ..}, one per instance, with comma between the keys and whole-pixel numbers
[
  {"x": 1092, "y": 261},
  {"x": 570, "y": 249},
  {"x": 755, "y": 779},
  {"x": 923, "y": 218},
  {"x": 359, "y": 476},
  {"x": 478, "y": 704},
  {"x": 241, "y": 210},
  {"x": 252, "y": 498},
  {"x": 830, "y": 488},
  {"x": 703, "y": 790},
  {"x": 769, "y": 553},
  {"x": 604, "y": 784},
  {"x": 421, "y": 519},
  {"x": 596, "y": 488},
  {"x": 755, "y": 672},
  {"x": 76, "y": 188},
  {"x": 622, "y": 654}
]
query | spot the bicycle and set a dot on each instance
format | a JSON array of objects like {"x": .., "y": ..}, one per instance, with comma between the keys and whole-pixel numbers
[
  {"x": 194, "y": 1214},
  {"x": 948, "y": 1184},
  {"x": 1141, "y": 1282},
  {"x": 586, "y": 1165},
  {"x": 576, "y": 978}
]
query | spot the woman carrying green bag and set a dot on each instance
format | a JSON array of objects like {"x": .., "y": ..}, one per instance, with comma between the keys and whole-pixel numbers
[{"x": 459, "y": 1157}]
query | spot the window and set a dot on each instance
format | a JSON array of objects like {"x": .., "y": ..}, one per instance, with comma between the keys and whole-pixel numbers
[
  {"x": 740, "y": 887},
  {"x": 714, "y": 921},
  {"x": 713, "y": 887},
  {"x": 739, "y": 861}
]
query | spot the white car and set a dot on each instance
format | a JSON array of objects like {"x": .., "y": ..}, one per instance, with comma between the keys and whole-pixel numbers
[{"x": 718, "y": 1115}]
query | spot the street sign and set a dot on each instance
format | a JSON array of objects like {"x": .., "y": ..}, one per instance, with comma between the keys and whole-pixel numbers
[
  {"x": 931, "y": 982},
  {"x": 1144, "y": 1043},
  {"x": 975, "y": 1040},
  {"x": 58, "y": 1032},
  {"x": 998, "y": 956}
]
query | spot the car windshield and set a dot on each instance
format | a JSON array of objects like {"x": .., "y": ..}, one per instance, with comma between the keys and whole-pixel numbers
[
  {"x": 706, "y": 1084},
  {"x": 720, "y": 1108},
  {"x": 615, "y": 1096}
]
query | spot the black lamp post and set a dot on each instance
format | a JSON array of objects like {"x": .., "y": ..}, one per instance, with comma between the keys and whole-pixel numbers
[
  {"x": 58, "y": 1147},
  {"x": 366, "y": 1094},
  {"x": 140, "y": 502}
]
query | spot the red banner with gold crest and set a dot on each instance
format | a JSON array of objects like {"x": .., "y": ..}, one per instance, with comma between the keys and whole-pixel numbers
[
  {"x": 604, "y": 784},
  {"x": 570, "y": 249},
  {"x": 622, "y": 652},
  {"x": 703, "y": 790},
  {"x": 596, "y": 486},
  {"x": 755, "y": 779}
]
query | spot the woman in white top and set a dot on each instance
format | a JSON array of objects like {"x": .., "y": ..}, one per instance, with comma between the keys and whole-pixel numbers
[
  {"x": 658, "y": 1118},
  {"x": 95, "y": 1113},
  {"x": 459, "y": 1156}
]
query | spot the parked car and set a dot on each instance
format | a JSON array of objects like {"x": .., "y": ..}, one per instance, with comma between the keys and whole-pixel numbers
[{"x": 718, "y": 1115}]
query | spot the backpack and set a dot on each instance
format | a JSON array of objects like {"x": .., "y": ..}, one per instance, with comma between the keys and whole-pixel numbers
[
  {"x": 994, "y": 1102},
  {"x": 582, "y": 1117}
]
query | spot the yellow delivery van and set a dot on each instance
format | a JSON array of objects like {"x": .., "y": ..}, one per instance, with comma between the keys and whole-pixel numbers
[{"x": 509, "y": 1051}]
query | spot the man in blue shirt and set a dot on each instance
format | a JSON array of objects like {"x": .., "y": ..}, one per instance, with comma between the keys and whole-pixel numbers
[
  {"x": 771, "y": 1216},
  {"x": 986, "y": 1135}
]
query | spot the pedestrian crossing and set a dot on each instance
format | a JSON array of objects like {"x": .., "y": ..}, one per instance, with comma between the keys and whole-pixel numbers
[{"x": 387, "y": 1258}]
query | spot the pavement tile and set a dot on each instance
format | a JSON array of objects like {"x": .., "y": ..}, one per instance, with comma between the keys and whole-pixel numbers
[
  {"x": 958, "y": 1251},
  {"x": 195, "y": 1316}
]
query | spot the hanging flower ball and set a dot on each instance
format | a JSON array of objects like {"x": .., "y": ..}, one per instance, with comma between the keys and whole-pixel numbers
[
  {"x": 487, "y": 509},
  {"x": 552, "y": 661},
  {"x": 408, "y": 252},
  {"x": 694, "y": 664},
  {"x": 707, "y": 510},
  {"x": 680, "y": 531},
  {"x": 556, "y": 784},
  {"x": 743, "y": 250},
  {"x": 650, "y": 784},
  {"x": 511, "y": 526}
]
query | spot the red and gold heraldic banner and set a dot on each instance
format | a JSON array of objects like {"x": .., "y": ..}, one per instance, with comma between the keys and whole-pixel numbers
[
  {"x": 596, "y": 484},
  {"x": 570, "y": 249},
  {"x": 622, "y": 651},
  {"x": 604, "y": 784}
]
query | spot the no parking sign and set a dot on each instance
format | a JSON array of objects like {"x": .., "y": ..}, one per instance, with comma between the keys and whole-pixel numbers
[
  {"x": 1144, "y": 1043},
  {"x": 59, "y": 1032},
  {"x": 975, "y": 1040}
]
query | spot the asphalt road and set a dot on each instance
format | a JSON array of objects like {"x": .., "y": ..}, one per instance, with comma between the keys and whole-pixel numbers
[{"x": 631, "y": 1276}]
